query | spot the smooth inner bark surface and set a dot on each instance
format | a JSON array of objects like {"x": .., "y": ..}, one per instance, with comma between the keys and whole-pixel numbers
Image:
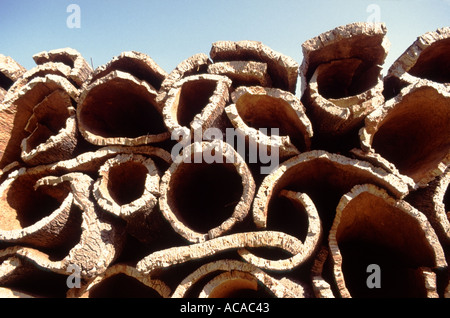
[
  {"x": 126, "y": 182},
  {"x": 415, "y": 136},
  {"x": 203, "y": 195},
  {"x": 121, "y": 109},
  {"x": 193, "y": 97},
  {"x": 434, "y": 63},
  {"x": 262, "y": 111}
]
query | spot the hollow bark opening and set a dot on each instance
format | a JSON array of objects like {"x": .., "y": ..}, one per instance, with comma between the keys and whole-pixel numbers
[
  {"x": 22, "y": 205},
  {"x": 5, "y": 82},
  {"x": 126, "y": 182},
  {"x": 346, "y": 77},
  {"x": 415, "y": 135},
  {"x": 239, "y": 288},
  {"x": 193, "y": 97},
  {"x": 397, "y": 279},
  {"x": 121, "y": 109},
  {"x": 122, "y": 286},
  {"x": 206, "y": 192},
  {"x": 434, "y": 63},
  {"x": 263, "y": 111}
]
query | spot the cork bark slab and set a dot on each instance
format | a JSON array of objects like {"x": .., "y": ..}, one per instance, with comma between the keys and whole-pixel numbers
[
  {"x": 219, "y": 192},
  {"x": 255, "y": 108},
  {"x": 341, "y": 76},
  {"x": 194, "y": 103},
  {"x": 282, "y": 69},
  {"x": 80, "y": 69},
  {"x": 372, "y": 227},
  {"x": 120, "y": 109},
  {"x": 426, "y": 58},
  {"x": 10, "y": 72},
  {"x": 412, "y": 131},
  {"x": 242, "y": 73}
]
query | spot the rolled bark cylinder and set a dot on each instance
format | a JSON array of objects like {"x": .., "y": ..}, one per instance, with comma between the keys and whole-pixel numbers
[
  {"x": 194, "y": 65},
  {"x": 138, "y": 64},
  {"x": 324, "y": 177},
  {"x": 120, "y": 109},
  {"x": 242, "y": 73},
  {"x": 279, "y": 287},
  {"x": 15, "y": 114},
  {"x": 194, "y": 103},
  {"x": 121, "y": 281},
  {"x": 282, "y": 69},
  {"x": 341, "y": 77},
  {"x": 425, "y": 58},
  {"x": 10, "y": 72},
  {"x": 80, "y": 69},
  {"x": 208, "y": 181},
  {"x": 42, "y": 218},
  {"x": 53, "y": 131},
  {"x": 257, "y": 108},
  {"x": 128, "y": 187},
  {"x": 412, "y": 131},
  {"x": 372, "y": 228}
]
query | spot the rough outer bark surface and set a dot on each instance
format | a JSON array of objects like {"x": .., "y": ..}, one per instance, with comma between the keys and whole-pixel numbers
[
  {"x": 283, "y": 70},
  {"x": 367, "y": 213},
  {"x": 185, "y": 112},
  {"x": 135, "y": 63},
  {"x": 392, "y": 131},
  {"x": 80, "y": 69},
  {"x": 425, "y": 58},
  {"x": 248, "y": 73}
]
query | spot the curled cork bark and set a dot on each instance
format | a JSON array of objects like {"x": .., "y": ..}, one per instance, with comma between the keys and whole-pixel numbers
[
  {"x": 434, "y": 202},
  {"x": 128, "y": 187},
  {"x": 243, "y": 73},
  {"x": 371, "y": 227},
  {"x": 208, "y": 181},
  {"x": 195, "y": 102},
  {"x": 425, "y": 58},
  {"x": 74, "y": 234},
  {"x": 138, "y": 64},
  {"x": 283, "y": 70},
  {"x": 255, "y": 108},
  {"x": 53, "y": 131},
  {"x": 16, "y": 112},
  {"x": 194, "y": 65},
  {"x": 10, "y": 72},
  {"x": 321, "y": 288},
  {"x": 39, "y": 217},
  {"x": 120, "y": 109},
  {"x": 341, "y": 76},
  {"x": 121, "y": 281},
  {"x": 325, "y": 177},
  {"x": 80, "y": 70},
  {"x": 20, "y": 277},
  {"x": 229, "y": 285},
  {"x": 411, "y": 131}
]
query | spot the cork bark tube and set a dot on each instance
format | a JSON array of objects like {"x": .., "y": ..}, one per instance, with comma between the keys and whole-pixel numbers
[
  {"x": 219, "y": 192},
  {"x": 258, "y": 108},
  {"x": 120, "y": 109},
  {"x": 371, "y": 227},
  {"x": 341, "y": 76},
  {"x": 412, "y": 131}
]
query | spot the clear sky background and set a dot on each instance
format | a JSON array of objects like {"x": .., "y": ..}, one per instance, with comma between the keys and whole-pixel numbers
[{"x": 170, "y": 31}]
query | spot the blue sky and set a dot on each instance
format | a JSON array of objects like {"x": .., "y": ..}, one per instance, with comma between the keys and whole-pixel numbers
[{"x": 171, "y": 30}]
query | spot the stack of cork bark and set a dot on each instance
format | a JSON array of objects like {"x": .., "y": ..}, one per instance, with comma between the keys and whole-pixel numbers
[{"x": 108, "y": 187}]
